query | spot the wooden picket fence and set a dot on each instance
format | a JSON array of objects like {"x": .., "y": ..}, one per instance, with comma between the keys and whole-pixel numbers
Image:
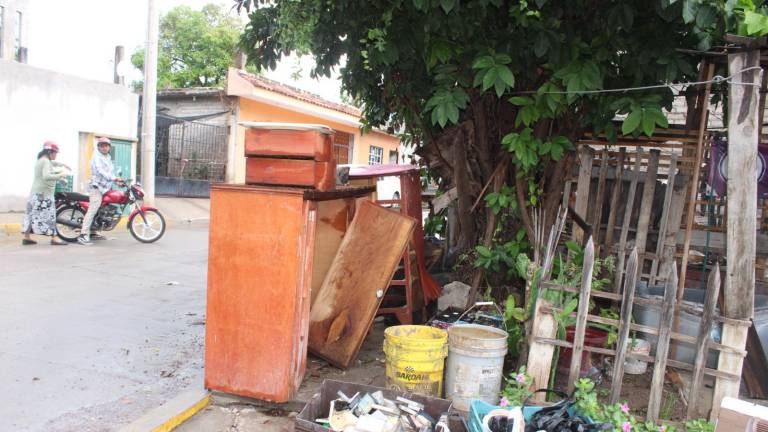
[{"x": 543, "y": 341}]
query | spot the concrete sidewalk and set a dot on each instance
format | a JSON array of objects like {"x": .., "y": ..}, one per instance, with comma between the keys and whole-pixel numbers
[{"x": 175, "y": 210}]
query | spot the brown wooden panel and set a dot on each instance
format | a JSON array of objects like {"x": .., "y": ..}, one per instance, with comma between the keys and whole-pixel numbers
[
  {"x": 290, "y": 172},
  {"x": 343, "y": 310},
  {"x": 288, "y": 143},
  {"x": 332, "y": 221},
  {"x": 258, "y": 292}
]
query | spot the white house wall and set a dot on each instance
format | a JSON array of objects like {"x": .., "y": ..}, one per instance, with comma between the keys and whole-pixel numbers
[{"x": 38, "y": 105}]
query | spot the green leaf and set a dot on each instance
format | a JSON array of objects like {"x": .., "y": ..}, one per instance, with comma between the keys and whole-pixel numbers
[
  {"x": 631, "y": 122},
  {"x": 756, "y": 24},
  {"x": 483, "y": 62},
  {"x": 506, "y": 75},
  {"x": 489, "y": 80},
  {"x": 557, "y": 152},
  {"x": 483, "y": 251},
  {"x": 689, "y": 11},
  {"x": 649, "y": 124},
  {"x": 447, "y": 5},
  {"x": 520, "y": 101},
  {"x": 418, "y": 4},
  {"x": 573, "y": 246}
]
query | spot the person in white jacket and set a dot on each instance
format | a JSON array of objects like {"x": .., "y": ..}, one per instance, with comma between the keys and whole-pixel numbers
[{"x": 102, "y": 177}]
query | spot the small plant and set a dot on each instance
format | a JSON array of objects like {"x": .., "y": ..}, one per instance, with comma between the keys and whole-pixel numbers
[
  {"x": 516, "y": 390},
  {"x": 699, "y": 425},
  {"x": 613, "y": 332},
  {"x": 434, "y": 226},
  {"x": 514, "y": 317},
  {"x": 619, "y": 414}
]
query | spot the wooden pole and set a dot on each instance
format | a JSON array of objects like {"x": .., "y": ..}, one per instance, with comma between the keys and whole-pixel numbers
[
  {"x": 671, "y": 174},
  {"x": 586, "y": 155},
  {"x": 597, "y": 216},
  {"x": 627, "y": 220},
  {"x": 617, "y": 184},
  {"x": 662, "y": 345},
  {"x": 624, "y": 325},
  {"x": 705, "y": 325},
  {"x": 743, "y": 135},
  {"x": 694, "y": 183},
  {"x": 583, "y": 311}
]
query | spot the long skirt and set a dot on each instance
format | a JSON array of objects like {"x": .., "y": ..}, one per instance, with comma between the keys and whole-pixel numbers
[{"x": 40, "y": 216}]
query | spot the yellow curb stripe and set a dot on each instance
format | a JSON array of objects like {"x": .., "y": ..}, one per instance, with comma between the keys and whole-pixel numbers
[
  {"x": 11, "y": 228},
  {"x": 180, "y": 418}
]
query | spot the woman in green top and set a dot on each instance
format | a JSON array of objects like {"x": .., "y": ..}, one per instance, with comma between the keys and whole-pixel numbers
[{"x": 41, "y": 207}]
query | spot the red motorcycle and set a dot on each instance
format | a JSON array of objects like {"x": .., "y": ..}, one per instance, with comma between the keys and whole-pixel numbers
[{"x": 146, "y": 224}]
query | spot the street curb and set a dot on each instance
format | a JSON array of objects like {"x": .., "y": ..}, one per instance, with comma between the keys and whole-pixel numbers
[
  {"x": 15, "y": 228},
  {"x": 171, "y": 414}
]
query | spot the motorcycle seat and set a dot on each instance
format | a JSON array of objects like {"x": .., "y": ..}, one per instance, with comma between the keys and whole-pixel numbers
[{"x": 71, "y": 196}]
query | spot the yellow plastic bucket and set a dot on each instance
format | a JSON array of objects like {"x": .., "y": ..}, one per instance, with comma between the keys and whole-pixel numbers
[{"x": 415, "y": 358}]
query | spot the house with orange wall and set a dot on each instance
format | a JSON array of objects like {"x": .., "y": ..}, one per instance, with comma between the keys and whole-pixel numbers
[{"x": 256, "y": 98}]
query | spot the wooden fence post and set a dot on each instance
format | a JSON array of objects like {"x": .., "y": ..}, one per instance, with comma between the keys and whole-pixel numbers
[
  {"x": 626, "y": 321},
  {"x": 617, "y": 186},
  {"x": 627, "y": 220},
  {"x": 662, "y": 345},
  {"x": 743, "y": 134},
  {"x": 586, "y": 154},
  {"x": 705, "y": 327},
  {"x": 583, "y": 311}
]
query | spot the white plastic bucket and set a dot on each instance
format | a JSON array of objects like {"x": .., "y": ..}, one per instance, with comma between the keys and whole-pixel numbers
[
  {"x": 634, "y": 366},
  {"x": 474, "y": 369}
]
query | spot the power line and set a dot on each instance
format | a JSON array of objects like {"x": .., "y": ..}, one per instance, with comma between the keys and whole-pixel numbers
[{"x": 717, "y": 79}]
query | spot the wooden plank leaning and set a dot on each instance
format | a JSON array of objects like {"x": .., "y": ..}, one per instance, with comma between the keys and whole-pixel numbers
[
  {"x": 665, "y": 221},
  {"x": 624, "y": 325},
  {"x": 614, "y": 205},
  {"x": 586, "y": 155},
  {"x": 646, "y": 205},
  {"x": 705, "y": 326},
  {"x": 583, "y": 311},
  {"x": 662, "y": 344},
  {"x": 627, "y": 220},
  {"x": 597, "y": 214}
]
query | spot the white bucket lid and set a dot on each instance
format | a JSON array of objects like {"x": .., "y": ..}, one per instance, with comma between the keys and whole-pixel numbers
[{"x": 287, "y": 126}]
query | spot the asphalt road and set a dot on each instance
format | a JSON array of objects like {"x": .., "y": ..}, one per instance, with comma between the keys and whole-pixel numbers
[{"x": 93, "y": 337}]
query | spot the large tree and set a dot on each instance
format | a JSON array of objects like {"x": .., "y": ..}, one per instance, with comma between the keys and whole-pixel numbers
[
  {"x": 195, "y": 47},
  {"x": 495, "y": 92}
]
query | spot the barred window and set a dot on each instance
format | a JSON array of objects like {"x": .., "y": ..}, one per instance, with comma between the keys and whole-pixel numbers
[{"x": 375, "y": 155}]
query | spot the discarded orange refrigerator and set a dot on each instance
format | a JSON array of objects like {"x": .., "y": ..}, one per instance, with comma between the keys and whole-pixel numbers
[{"x": 268, "y": 247}]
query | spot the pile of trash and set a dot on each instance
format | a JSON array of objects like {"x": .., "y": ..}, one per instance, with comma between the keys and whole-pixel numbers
[{"x": 372, "y": 412}]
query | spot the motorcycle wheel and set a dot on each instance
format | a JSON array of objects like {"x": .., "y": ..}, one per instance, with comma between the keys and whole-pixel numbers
[
  {"x": 148, "y": 229},
  {"x": 71, "y": 213}
]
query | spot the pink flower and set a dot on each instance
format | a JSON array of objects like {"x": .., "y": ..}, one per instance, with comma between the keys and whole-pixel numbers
[
  {"x": 626, "y": 427},
  {"x": 520, "y": 378},
  {"x": 625, "y": 408},
  {"x": 504, "y": 402},
  {"x": 662, "y": 429}
]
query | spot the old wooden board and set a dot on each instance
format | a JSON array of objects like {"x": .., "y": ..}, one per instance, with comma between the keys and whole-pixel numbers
[
  {"x": 597, "y": 214},
  {"x": 666, "y": 210},
  {"x": 662, "y": 345},
  {"x": 614, "y": 205},
  {"x": 646, "y": 202},
  {"x": 586, "y": 155},
  {"x": 705, "y": 326},
  {"x": 343, "y": 309},
  {"x": 540, "y": 353},
  {"x": 332, "y": 221},
  {"x": 625, "y": 224},
  {"x": 583, "y": 311},
  {"x": 624, "y": 325}
]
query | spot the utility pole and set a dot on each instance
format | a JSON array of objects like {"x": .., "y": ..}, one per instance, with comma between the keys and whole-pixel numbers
[
  {"x": 149, "y": 105},
  {"x": 739, "y": 292}
]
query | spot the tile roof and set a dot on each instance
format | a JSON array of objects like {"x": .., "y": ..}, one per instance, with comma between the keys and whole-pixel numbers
[{"x": 293, "y": 92}]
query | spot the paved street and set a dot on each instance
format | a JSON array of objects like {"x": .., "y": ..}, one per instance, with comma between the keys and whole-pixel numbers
[{"x": 94, "y": 337}]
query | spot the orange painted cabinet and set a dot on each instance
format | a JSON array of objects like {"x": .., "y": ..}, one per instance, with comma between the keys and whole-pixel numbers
[{"x": 268, "y": 247}]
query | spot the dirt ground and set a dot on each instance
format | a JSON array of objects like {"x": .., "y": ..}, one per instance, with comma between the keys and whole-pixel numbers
[{"x": 233, "y": 414}]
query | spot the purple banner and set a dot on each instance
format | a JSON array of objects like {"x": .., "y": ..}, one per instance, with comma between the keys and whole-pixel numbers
[{"x": 718, "y": 167}]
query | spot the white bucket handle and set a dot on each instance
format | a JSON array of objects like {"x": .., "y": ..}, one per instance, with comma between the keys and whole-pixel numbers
[{"x": 486, "y": 303}]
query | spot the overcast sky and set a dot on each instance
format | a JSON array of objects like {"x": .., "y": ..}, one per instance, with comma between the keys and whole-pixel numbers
[{"x": 78, "y": 37}]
